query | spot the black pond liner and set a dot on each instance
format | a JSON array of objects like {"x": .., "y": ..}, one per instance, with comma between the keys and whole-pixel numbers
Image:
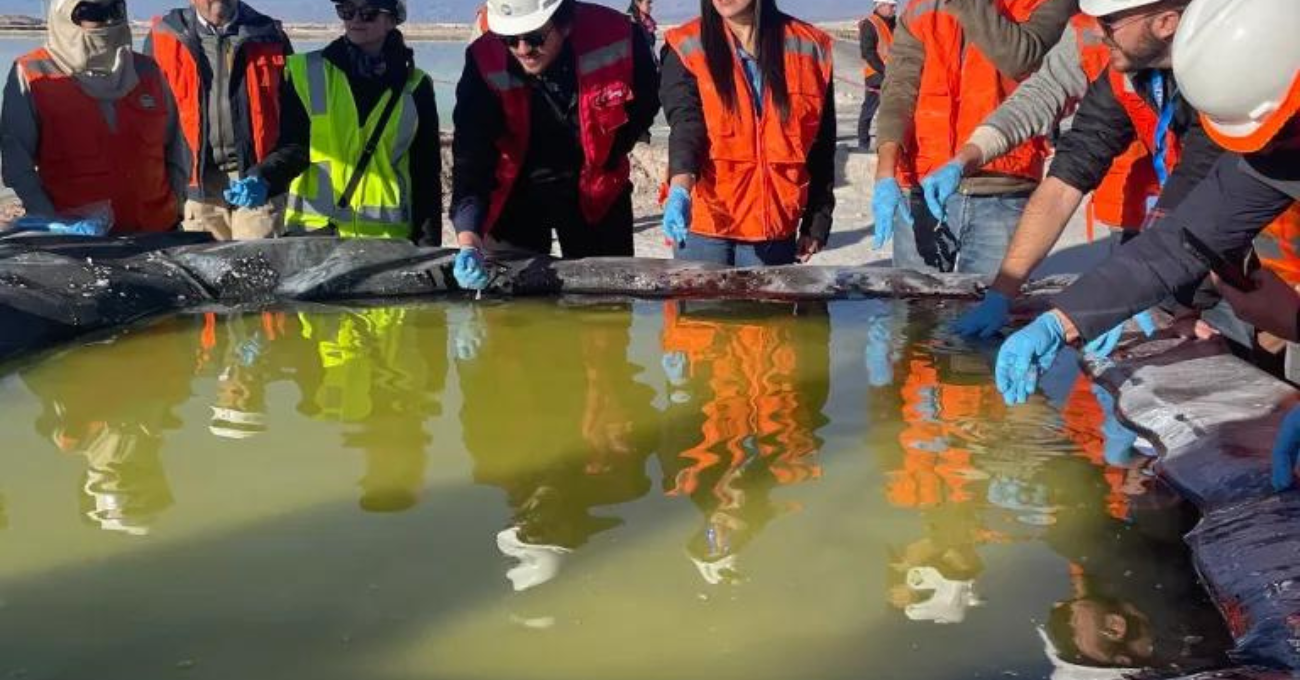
[{"x": 1211, "y": 415}]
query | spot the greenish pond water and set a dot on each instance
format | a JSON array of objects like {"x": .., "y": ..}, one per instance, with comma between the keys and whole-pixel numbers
[{"x": 542, "y": 489}]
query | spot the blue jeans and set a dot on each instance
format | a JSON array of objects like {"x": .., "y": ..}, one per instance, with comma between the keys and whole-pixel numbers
[
  {"x": 736, "y": 253},
  {"x": 972, "y": 240}
]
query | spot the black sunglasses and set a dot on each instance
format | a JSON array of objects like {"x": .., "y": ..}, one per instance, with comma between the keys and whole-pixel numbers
[
  {"x": 365, "y": 14},
  {"x": 534, "y": 39},
  {"x": 112, "y": 13}
]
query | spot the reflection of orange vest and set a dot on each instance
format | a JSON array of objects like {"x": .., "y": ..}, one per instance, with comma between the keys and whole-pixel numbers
[
  {"x": 82, "y": 161},
  {"x": 959, "y": 88},
  {"x": 754, "y": 372},
  {"x": 1120, "y": 201},
  {"x": 263, "y": 72},
  {"x": 602, "y": 43},
  {"x": 934, "y": 472},
  {"x": 1084, "y": 420},
  {"x": 884, "y": 41},
  {"x": 1278, "y": 244},
  {"x": 753, "y": 185}
]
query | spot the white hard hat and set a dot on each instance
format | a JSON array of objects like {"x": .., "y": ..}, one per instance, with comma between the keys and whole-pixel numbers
[
  {"x": 1238, "y": 63},
  {"x": 1101, "y": 8},
  {"x": 718, "y": 572},
  {"x": 950, "y": 601},
  {"x": 229, "y": 423},
  {"x": 1064, "y": 670},
  {"x": 537, "y": 563},
  {"x": 886, "y": 2},
  {"x": 517, "y": 17}
]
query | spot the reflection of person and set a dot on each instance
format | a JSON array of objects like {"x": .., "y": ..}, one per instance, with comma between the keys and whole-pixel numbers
[
  {"x": 376, "y": 377},
  {"x": 553, "y": 416},
  {"x": 125, "y": 487},
  {"x": 1136, "y": 599},
  {"x": 755, "y": 380},
  {"x": 87, "y": 122},
  {"x": 239, "y": 410},
  {"x": 933, "y": 578}
]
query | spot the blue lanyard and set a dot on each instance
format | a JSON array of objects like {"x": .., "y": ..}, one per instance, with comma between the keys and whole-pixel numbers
[{"x": 1164, "y": 99}]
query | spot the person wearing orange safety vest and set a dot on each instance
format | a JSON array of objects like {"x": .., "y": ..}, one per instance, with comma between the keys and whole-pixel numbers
[
  {"x": 875, "y": 36},
  {"x": 1135, "y": 99},
  {"x": 751, "y": 154},
  {"x": 480, "y": 26},
  {"x": 90, "y": 137},
  {"x": 548, "y": 108},
  {"x": 952, "y": 64},
  {"x": 225, "y": 62},
  {"x": 1238, "y": 64}
]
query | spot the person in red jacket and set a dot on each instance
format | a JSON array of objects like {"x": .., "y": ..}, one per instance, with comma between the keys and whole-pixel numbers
[
  {"x": 224, "y": 61},
  {"x": 89, "y": 133}
]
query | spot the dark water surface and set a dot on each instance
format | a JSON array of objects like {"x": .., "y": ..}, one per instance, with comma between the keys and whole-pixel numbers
[{"x": 548, "y": 489}]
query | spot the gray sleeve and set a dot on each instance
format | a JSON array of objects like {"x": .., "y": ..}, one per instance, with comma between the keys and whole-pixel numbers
[
  {"x": 902, "y": 87},
  {"x": 1015, "y": 48},
  {"x": 20, "y": 136},
  {"x": 1035, "y": 107}
]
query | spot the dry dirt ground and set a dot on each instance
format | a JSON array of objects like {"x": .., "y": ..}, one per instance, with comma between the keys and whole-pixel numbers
[{"x": 851, "y": 237}]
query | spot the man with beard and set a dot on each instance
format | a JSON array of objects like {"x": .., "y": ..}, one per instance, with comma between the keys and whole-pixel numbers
[{"x": 224, "y": 61}]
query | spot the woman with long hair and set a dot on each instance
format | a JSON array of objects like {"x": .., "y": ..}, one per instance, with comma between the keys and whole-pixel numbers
[{"x": 749, "y": 95}]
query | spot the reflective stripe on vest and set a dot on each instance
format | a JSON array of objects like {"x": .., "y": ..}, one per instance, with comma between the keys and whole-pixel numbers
[
  {"x": 960, "y": 86},
  {"x": 754, "y": 183},
  {"x": 381, "y": 206},
  {"x": 602, "y": 44},
  {"x": 82, "y": 162}
]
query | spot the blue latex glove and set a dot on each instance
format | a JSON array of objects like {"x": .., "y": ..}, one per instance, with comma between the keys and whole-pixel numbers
[
  {"x": 1286, "y": 449},
  {"x": 987, "y": 318},
  {"x": 888, "y": 201},
  {"x": 941, "y": 184},
  {"x": 249, "y": 192},
  {"x": 675, "y": 365},
  {"x": 1119, "y": 440},
  {"x": 878, "y": 356},
  {"x": 471, "y": 271},
  {"x": 677, "y": 215},
  {"x": 83, "y": 227},
  {"x": 1025, "y": 356},
  {"x": 469, "y": 338},
  {"x": 1106, "y": 343}
]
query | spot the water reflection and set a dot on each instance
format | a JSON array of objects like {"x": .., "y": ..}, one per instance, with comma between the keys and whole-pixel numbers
[
  {"x": 124, "y": 488},
  {"x": 749, "y": 386},
  {"x": 560, "y": 442}
]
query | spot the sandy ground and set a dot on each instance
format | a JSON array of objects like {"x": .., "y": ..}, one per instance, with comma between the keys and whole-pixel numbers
[{"x": 850, "y": 242}]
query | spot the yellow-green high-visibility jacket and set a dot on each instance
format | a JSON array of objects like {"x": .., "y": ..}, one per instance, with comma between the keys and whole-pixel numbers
[{"x": 381, "y": 206}]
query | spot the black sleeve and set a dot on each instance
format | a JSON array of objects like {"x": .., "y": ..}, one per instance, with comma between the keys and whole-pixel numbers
[
  {"x": 1199, "y": 154},
  {"x": 688, "y": 138},
  {"x": 426, "y": 169},
  {"x": 292, "y": 152},
  {"x": 1101, "y": 132},
  {"x": 1226, "y": 211},
  {"x": 818, "y": 216},
  {"x": 867, "y": 41},
  {"x": 641, "y": 111},
  {"x": 478, "y": 122}
]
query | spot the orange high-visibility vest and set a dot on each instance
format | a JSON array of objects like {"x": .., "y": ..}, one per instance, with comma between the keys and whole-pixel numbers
[
  {"x": 884, "y": 41},
  {"x": 753, "y": 185},
  {"x": 82, "y": 161},
  {"x": 959, "y": 88},
  {"x": 602, "y": 41}
]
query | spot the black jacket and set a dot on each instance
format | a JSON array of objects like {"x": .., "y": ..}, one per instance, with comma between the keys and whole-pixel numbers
[
  {"x": 869, "y": 46},
  {"x": 292, "y": 156},
  {"x": 1102, "y": 130},
  {"x": 555, "y": 153},
  {"x": 1227, "y": 211},
  {"x": 251, "y": 27},
  {"x": 688, "y": 142}
]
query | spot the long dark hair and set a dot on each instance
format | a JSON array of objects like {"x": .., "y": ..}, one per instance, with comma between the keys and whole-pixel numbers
[{"x": 769, "y": 23}]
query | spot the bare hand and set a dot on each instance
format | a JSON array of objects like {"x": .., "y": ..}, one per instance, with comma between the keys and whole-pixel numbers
[
  {"x": 1272, "y": 307},
  {"x": 808, "y": 246}
]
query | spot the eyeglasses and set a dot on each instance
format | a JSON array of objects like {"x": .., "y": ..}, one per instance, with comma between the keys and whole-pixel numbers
[
  {"x": 94, "y": 12},
  {"x": 534, "y": 40},
  {"x": 1109, "y": 24},
  {"x": 364, "y": 14}
]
